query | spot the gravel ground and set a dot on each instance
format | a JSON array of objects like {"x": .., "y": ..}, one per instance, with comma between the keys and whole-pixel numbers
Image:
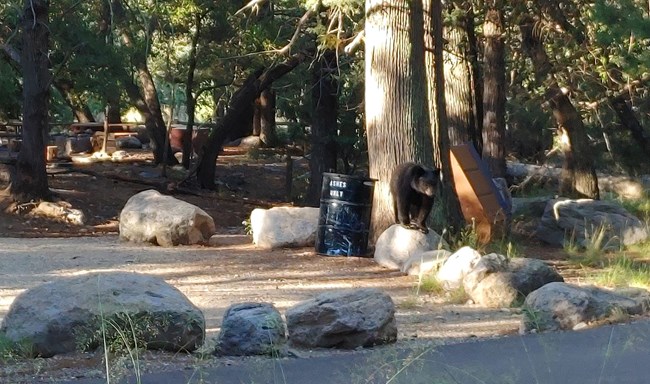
[{"x": 214, "y": 278}]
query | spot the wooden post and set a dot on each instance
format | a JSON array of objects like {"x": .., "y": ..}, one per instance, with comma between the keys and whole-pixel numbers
[
  {"x": 105, "y": 129},
  {"x": 288, "y": 181}
]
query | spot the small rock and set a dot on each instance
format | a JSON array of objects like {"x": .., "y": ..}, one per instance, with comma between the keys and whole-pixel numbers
[
  {"x": 251, "y": 329},
  {"x": 579, "y": 326}
]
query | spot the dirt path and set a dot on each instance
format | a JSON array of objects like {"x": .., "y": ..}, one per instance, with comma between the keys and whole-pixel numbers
[
  {"x": 34, "y": 250},
  {"x": 215, "y": 277}
]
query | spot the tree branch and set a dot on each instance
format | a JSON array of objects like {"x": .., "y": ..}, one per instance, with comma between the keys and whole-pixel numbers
[{"x": 287, "y": 48}]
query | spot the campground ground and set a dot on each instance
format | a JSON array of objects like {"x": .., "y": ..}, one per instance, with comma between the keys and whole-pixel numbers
[{"x": 34, "y": 250}]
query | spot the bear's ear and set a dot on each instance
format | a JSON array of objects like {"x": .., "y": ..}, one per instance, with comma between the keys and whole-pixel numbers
[{"x": 415, "y": 183}]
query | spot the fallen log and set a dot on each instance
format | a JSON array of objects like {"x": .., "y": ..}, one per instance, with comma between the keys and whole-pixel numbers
[{"x": 623, "y": 186}]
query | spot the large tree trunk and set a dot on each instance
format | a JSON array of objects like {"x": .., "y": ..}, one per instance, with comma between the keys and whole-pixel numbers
[
  {"x": 30, "y": 179},
  {"x": 133, "y": 92},
  {"x": 494, "y": 93},
  {"x": 397, "y": 121},
  {"x": 238, "y": 118},
  {"x": 78, "y": 106},
  {"x": 190, "y": 98},
  {"x": 264, "y": 118},
  {"x": 628, "y": 120},
  {"x": 267, "y": 133},
  {"x": 459, "y": 88},
  {"x": 155, "y": 125},
  {"x": 324, "y": 125},
  {"x": 452, "y": 217},
  {"x": 579, "y": 176},
  {"x": 113, "y": 104},
  {"x": 158, "y": 133}
]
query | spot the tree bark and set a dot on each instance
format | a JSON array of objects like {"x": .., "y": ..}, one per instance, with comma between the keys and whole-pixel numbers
[
  {"x": 113, "y": 103},
  {"x": 238, "y": 118},
  {"x": 157, "y": 132},
  {"x": 190, "y": 98},
  {"x": 78, "y": 106},
  {"x": 628, "y": 120},
  {"x": 268, "y": 135},
  {"x": 460, "y": 104},
  {"x": 156, "y": 124},
  {"x": 324, "y": 104},
  {"x": 452, "y": 217},
  {"x": 397, "y": 121},
  {"x": 494, "y": 93},
  {"x": 257, "y": 116},
  {"x": 579, "y": 176},
  {"x": 30, "y": 178}
]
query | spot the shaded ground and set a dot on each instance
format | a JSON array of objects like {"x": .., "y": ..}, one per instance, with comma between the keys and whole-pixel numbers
[{"x": 212, "y": 277}]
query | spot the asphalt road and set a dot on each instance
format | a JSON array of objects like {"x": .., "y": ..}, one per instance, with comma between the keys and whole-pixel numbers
[{"x": 616, "y": 354}]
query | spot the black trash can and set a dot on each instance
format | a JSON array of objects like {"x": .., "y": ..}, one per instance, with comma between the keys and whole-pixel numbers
[{"x": 344, "y": 219}]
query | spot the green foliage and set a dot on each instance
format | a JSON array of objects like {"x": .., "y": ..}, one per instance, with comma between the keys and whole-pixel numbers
[
  {"x": 467, "y": 237},
  {"x": 248, "y": 228},
  {"x": 11, "y": 92}
]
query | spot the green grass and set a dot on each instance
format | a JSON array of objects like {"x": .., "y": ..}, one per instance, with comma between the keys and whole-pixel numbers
[
  {"x": 10, "y": 350},
  {"x": 638, "y": 207},
  {"x": 457, "y": 296},
  {"x": 623, "y": 271},
  {"x": 429, "y": 284},
  {"x": 504, "y": 246},
  {"x": 595, "y": 249},
  {"x": 7, "y": 348}
]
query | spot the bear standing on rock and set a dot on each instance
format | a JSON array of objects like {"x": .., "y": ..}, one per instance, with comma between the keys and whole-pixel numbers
[{"x": 413, "y": 187}]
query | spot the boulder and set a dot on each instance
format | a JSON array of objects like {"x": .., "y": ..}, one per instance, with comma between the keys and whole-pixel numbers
[
  {"x": 128, "y": 142},
  {"x": 561, "y": 306},
  {"x": 586, "y": 221},
  {"x": 284, "y": 227},
  {"x": 456, "y": 267},
  {"x": 530, "y": 206},
  {"x": 396, "y": 245},
  {"x": 78, "y": 144},
  {"x": 150, "y": 217},
  {"x": 250, "y": 142},
  {"x": 343, "y": 319},
  {"x": 486, "y": 265},
  {"x": 66, "y": 315},
  {"x": 498, "y": 282},
  {"x": 425, "y": 262},
  {"x": 251, "y": 329}
]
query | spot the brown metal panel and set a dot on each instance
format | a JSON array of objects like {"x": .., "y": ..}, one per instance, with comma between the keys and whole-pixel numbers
[{"x": 478, "y": 196}]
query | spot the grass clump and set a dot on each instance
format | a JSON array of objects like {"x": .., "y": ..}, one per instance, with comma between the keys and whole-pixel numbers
[
  {"x": 428, "y": 283},
  {"x": 457, "y": 296},
  {"x": 595, "y": 249},
  {"x": 638, "y": 207},
  {"x": 623, "y": 271},
  {"x": 11, "y": 350}
]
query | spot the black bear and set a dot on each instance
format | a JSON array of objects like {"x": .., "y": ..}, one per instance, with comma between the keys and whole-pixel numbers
[{"x": 413, "y": 187}]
